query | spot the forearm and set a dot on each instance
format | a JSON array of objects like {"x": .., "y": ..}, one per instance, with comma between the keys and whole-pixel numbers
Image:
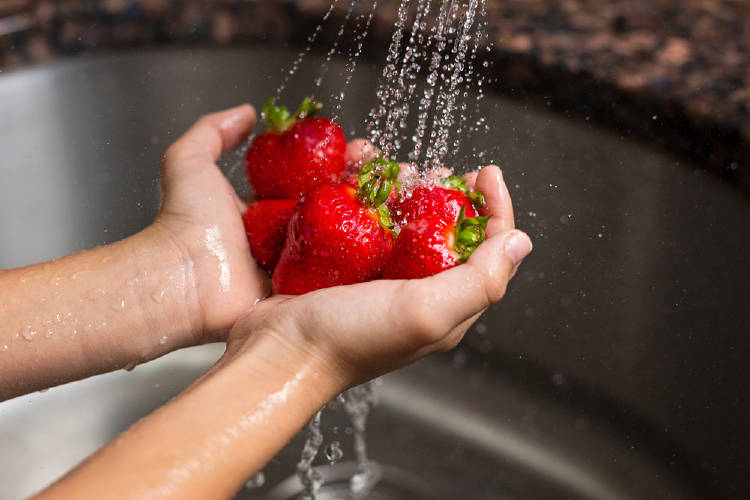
[
  {"x": 214, "y": 436},
  {"x": 93, "y": 312}
]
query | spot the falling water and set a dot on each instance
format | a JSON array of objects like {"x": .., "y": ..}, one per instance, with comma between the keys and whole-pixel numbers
[
  {"x": 443, "y": 40},
  {"x": 309, "y": 477},
  {"x": 448, "y": 46},
  {"x": 335, "y": 46},
  {"x": 357, "y": 403},
  {"x": 360, "y": 32},
  {"x": 301, "y": 56}
]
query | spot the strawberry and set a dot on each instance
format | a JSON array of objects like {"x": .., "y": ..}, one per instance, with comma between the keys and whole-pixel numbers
[
  {"x": 296, "y": 153},
  {"x": 444, "y": 201},
  {"x": 265, "y": 223},
  {"x": 338, "y": 235},
  {"x": 432, "y": 244}
]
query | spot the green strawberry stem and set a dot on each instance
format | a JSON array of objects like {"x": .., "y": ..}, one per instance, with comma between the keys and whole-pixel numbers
[
  {"x": 469, "y": 234},
  {"x": 476, "y": 198},
  {"x": 454, "y": 182},
  {"x": 375, "y": 180},
  {"x": 459, "y": 184},
  {"x": 279, "y": 119}
]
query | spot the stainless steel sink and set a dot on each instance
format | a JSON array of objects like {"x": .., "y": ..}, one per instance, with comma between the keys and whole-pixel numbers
[
  {"x": 463, "y": 434},
  {"x": 615, "y": 369}
]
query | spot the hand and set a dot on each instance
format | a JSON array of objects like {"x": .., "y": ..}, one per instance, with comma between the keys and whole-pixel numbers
[
  {"x": 202, "y": 216},
  {"x": 286, "y": 358},
  {"x": 357, "y": 332}
]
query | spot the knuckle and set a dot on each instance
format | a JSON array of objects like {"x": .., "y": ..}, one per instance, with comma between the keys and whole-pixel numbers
[{"x": 177, "y": 152}]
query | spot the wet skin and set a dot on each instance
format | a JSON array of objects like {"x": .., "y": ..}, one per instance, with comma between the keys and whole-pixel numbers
[{"x": 188, "y": 279}]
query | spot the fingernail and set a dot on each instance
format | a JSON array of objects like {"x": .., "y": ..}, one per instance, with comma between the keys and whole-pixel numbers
[{"x": 517, "y": 246}]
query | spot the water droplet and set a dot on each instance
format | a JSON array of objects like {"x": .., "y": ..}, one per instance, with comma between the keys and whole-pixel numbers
[
  {"x": 49, "y": 333},
  {"x": 158, "y": 297},
  {"x": 28, "y": 333},
  {"x": 163, "y": 340},
  {"x": 119, "y": 306},
  {"x": 257, "y": 481},
  {"x": 4, "y": 348},
  {"x": 75, "y": 276},
  {"x": 333, "y": 452}
]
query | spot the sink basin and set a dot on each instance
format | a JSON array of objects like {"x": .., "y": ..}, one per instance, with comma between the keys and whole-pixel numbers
[
  {"x": 616, "y": 368},
  {"x": 446, "y": 439}
]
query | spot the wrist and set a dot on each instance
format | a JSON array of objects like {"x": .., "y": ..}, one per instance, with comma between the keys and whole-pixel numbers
[
  {"x": 165, "y": 289},
  {"x": 267, "y": 351}
]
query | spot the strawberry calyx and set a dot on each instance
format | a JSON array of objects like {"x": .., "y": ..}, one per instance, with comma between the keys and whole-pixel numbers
[
  {"x": 278, "y": 119},
  {"x": 469, "y": 234},
  {"x": 375, "y": 181},
  {"x": 459, "y": 184}
]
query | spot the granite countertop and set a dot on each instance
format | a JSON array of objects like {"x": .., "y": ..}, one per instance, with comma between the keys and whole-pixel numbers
[{"x": 672, "y": 73}]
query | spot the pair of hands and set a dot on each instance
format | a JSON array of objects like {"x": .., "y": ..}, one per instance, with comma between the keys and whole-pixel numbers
[{"x": 352, "y": 333}]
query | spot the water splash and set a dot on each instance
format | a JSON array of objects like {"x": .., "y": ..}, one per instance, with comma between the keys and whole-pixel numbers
[
  {"x": 357, "y": 402},
  {"x": 360, "y": 32},
  {"x": 333, "y": 452},
  {"x": 257, "y": 481},
  {"x": 447, "y": 43},
  {"x": 310, "y": 478},
  {"x": 301, "y": 56}
]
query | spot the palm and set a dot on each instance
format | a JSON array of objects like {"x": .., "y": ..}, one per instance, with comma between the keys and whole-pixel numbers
[
  {"x": 370, "y": 328},
  {"x": 202, "y": 213}
]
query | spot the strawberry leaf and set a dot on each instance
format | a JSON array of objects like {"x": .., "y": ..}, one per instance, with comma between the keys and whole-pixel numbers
[
  {"x": 470, "y": 233},
  {"x": 476, "y": 198},
  {"x": 454, "y": 182},
  {"x": 278, "y": 119}
]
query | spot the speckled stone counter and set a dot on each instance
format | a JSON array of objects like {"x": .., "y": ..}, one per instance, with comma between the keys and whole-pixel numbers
[{"x": 673, "y": 73}]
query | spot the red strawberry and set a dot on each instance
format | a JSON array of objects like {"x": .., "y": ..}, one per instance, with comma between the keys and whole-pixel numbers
[
  {"x": 444, "y": 201},
  {"x": 265, "y": 223},
  {"x": 338, "y": 235},
  {"x": 432, "y": 244},
  {"x": 296, "y": 153}
]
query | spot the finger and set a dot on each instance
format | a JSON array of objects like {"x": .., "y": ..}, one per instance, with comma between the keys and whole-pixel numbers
[
  {"x": 471, "y": 180},
  {"x": 240, "y": 203},
  {"x": 439, "y": 173},
  {"x": 214, "y": 134},
  {"x": 457, "y": 334},
  {"x": 359, "y": 152},
  {"x": 453, "y": 296},
  {"x": 497, "y": 200}
]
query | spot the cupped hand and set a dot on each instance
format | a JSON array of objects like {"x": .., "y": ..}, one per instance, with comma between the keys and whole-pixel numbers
[
  {"x": 357, "y": 332},
  {"x": 201, "y": 215}
]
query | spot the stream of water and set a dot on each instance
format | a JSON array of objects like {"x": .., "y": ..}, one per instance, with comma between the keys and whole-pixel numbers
[{"x": 441, "y": 39}]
